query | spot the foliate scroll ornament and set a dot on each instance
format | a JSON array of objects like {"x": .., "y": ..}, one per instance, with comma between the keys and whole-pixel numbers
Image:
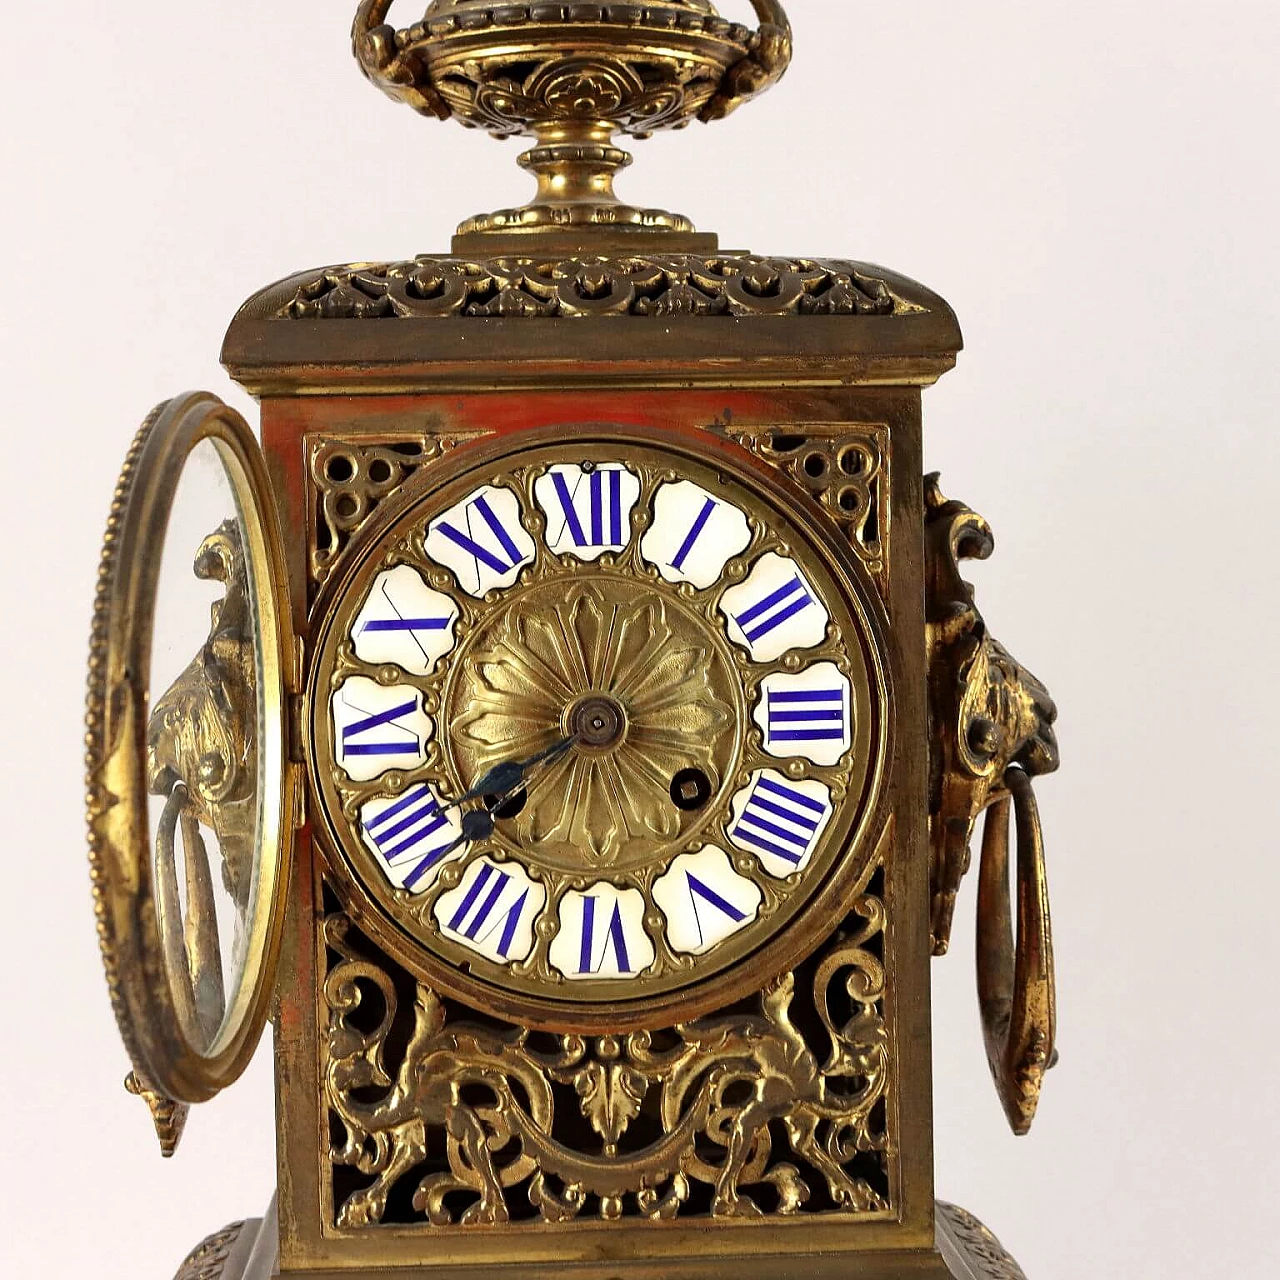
[
  {"x": 488, "y": 1122},
  {"x": 991, "y": 733},
  {"x": 555, "y": 287},
  {"x": 843, "y": 466},
  {"x": 985, "y": 1254}
]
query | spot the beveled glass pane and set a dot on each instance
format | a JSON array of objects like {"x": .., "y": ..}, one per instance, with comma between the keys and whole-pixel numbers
[{"x": 203, "y": 769}]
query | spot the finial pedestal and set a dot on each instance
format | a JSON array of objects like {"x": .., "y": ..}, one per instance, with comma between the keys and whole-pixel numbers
[{"x": 573, "y": 77}]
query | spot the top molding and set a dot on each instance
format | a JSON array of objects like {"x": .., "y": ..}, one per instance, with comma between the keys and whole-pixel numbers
[{"x": 766, "y": 319}]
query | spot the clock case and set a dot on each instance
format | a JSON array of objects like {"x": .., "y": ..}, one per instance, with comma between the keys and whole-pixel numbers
[
  {"x": 367, "y": 377},
  {"x": 791, "y": 1131}
]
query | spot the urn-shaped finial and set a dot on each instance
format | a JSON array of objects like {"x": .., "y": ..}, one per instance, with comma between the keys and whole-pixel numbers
[{"x": 573, "y": 77}]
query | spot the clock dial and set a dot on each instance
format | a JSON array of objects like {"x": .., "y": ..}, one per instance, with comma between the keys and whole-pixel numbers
[{"x": 596, "y": 719}]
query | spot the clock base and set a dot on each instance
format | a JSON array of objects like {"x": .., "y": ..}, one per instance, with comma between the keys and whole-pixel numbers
[{"x": 966, "y": 1250}]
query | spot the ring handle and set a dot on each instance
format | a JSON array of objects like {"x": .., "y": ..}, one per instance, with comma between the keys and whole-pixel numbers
[
  {"x": 762, "y": 68},
  {"x": 771, "y": 14},
  {"x": 1016, "y": 985},
  {"x": 373, "y": 41}
]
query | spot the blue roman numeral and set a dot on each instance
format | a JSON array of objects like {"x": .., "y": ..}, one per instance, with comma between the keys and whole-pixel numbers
[
  {"x": 771, "y": 612},
  {"x": 603, "y": 507},
  {"x": 616, "y": 937},
  {"x": 697, "y": 889},
  {"x": 772, "y": 804},
  {"x": 807, "y": 715},
  {"x": 406, "y": 624},
  {"x": 469, "y": 919},
  {"x": 407, "y": 827},
  {"x": 694, "y": 534},
  {"x": 407, "y": 746},
  {"x": 482, "y": 554}
]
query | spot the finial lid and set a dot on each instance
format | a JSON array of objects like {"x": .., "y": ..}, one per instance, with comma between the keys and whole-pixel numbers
[{"x": 573, "y": 76}]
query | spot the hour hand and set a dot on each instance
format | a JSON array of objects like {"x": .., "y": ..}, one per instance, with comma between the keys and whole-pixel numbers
[
  {"x": 477, "y": 824},
  {"x": 506, "y": 777}
]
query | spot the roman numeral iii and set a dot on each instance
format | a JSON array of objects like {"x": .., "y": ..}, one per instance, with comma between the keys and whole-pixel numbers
[{"x": 809, "y": 714}]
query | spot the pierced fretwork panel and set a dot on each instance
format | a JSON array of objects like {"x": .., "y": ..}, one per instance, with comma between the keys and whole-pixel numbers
[
  {"x": 844, "y": 466},
  {"x": 350, "y": 480},
  {"x": 441, "y": 1116}
]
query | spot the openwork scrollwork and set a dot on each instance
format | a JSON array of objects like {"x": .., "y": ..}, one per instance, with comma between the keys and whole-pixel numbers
[
  {"x": 555, "y": 287},
  {"x": 489, "y": 1118},
  {"x": 842, "y": 466}
]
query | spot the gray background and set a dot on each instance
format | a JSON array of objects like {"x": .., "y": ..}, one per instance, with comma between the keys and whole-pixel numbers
[{"x": 1092, "y": 186}]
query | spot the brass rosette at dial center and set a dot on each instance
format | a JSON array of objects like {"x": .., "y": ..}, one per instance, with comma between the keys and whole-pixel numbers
[{"x": 648, "y": 684}]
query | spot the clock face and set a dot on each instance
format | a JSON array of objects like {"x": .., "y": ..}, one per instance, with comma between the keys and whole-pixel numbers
[{"x": 598, "y": 725}]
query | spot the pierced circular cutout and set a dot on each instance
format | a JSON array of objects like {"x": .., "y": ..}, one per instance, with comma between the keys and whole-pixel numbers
[
  {"x": 340, "y": 468},
  {"x": 509, "y": 806},
  {"x": 852, "y": 462}
]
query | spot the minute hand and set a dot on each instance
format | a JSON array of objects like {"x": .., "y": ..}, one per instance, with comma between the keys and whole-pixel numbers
[{"x": 506, "y": 777}]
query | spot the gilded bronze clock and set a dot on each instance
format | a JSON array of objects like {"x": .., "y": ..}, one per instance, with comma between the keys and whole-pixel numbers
[{"x": 568, "y": 719}]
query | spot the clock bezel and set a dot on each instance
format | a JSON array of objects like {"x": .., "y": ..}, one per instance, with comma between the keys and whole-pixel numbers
[
  {"x": 824, "y": 903},
  {"x": 118, "y": 706}
]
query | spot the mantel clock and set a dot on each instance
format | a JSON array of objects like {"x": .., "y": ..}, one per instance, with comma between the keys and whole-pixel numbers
[{"x": 568, "y": 724}]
